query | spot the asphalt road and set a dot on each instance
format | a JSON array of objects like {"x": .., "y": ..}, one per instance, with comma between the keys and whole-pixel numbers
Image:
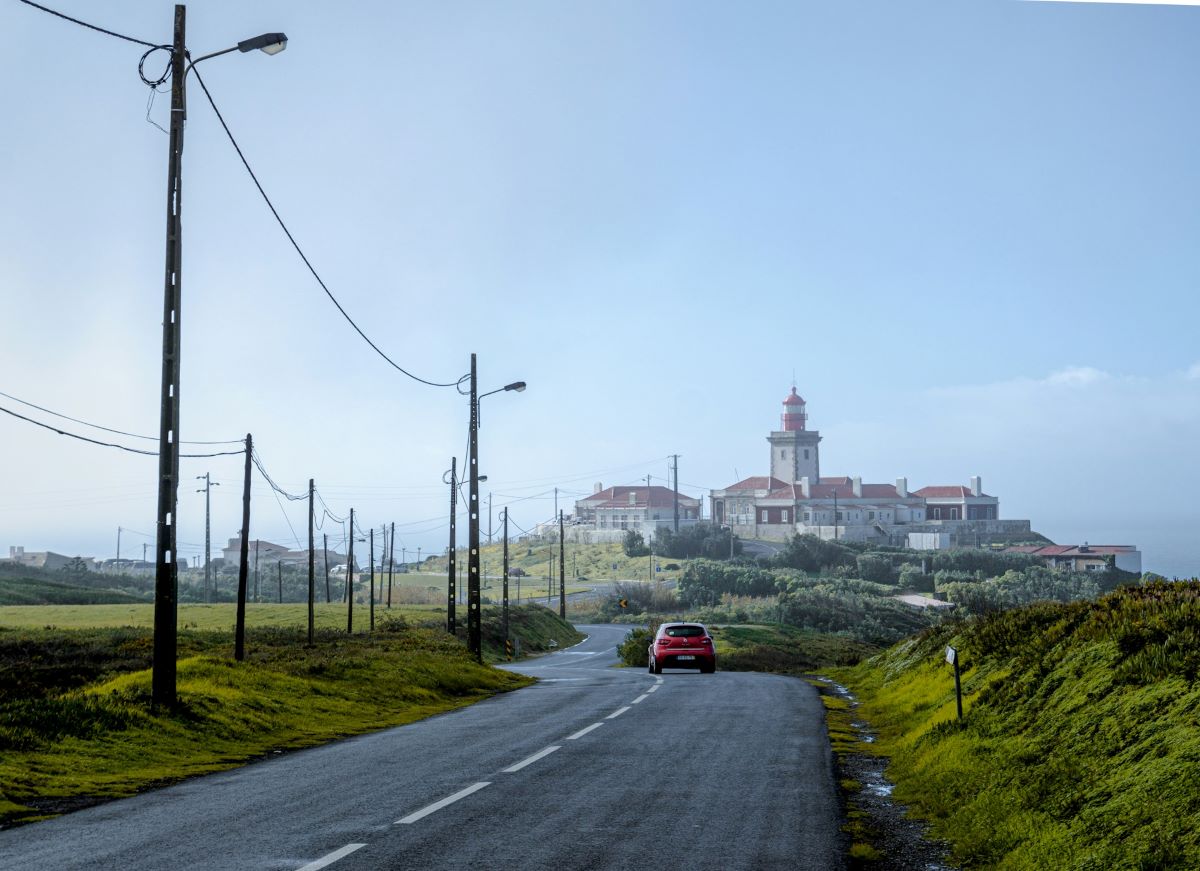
[{"x": 592, "y": 768}]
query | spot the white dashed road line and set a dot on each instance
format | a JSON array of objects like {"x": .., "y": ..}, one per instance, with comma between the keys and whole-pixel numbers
[
  {"x": 652, "y": 689},
  {"x": 618, "y": 712},
  {"x": 584, "y": 731},
  {"x": 532, "y": 759},
  {"x": 639, "y": 698},
  {"x": 331, "y": 858},
  {"x": 438, "y": 805}
]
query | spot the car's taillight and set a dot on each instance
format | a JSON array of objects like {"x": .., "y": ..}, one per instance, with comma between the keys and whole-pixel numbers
[
  {"x": 706, "y": 640},
  {"x": 664, "y": 641}
]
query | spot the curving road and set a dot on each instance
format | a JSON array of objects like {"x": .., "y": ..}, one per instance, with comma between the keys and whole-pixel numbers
[{"x": 593, "y": 768}]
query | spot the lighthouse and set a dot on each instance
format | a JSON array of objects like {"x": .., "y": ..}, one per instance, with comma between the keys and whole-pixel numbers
[{"x": 794, "y": 448}]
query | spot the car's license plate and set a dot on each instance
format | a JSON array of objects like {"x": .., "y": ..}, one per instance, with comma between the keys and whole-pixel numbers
[{"x": 685, "y": 657}]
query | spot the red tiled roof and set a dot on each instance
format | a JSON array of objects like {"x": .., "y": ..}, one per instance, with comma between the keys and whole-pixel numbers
[
  {"x": 941, "y": 492},
  {"x": 759, "y": 482},
  {"x": 618, "y": 497}
]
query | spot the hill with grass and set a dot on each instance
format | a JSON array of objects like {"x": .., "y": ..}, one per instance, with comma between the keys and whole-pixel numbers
[
  {"x": 40, "y": 591},
  {"x": 1080, "y": 746}
]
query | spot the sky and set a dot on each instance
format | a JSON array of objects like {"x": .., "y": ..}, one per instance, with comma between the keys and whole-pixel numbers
[{"x": 966, "y": 228}]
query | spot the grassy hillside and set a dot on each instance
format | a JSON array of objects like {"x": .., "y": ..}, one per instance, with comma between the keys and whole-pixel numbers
[
  {"x": 1079, "y": 748},
  {"x": 76, "y": 725},
  {"x": 591, "y": 561},
  {"x": 35, "y": 591}
]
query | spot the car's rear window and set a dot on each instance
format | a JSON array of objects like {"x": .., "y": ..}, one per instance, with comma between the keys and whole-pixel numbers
[{"x": 684, "y": 631}]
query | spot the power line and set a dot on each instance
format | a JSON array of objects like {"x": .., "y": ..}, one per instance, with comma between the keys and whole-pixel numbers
[
  {"x": 304, "y": 257},
  {"x": 109, "y": 429},
  {"x": 90, "y": 26},
  {"x": 291, "y": 497},
  {"x": 63, "y": 432}
]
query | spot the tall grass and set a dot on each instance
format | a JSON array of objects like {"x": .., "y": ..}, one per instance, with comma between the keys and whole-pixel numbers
[{"x": 1080, "y": 747}]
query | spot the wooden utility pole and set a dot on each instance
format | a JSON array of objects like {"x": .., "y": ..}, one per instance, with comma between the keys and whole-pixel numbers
[
  {"x": 391, "y": 563},
  {"x": 562, "y": 569},
  {"x": 506, "y": 574},
  {"x": 350, "y": 578},
  {"x": 166, "y": 558},
  {"x": 312, "y": 557},
  {"x": 279, "y": 567},
  {"x": 451, "y": 592},
  {"x": 325, "y": 548},
  {"x": 371, "y": 577},
  {"x": 675, "y": 475},
  {"x": 239, "y": 635}
]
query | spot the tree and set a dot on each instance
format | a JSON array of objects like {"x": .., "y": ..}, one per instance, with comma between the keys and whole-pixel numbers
[{"x": 634, "y": 544}]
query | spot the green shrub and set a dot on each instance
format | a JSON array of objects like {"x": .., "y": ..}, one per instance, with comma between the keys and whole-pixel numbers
[{"x": 635, "y": 649}]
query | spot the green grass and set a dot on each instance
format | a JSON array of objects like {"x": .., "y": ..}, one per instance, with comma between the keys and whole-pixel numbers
[
  {"x": 36, "y": 591},
  {"x": 591, "y": 561},
  {"x": 75, "y": 719},
  {"x": 221, "y": 616},
  {"x": 67, "y": 739},
  {"x": 777, "y": 649},
  {"x": 1080, "y": 748}
]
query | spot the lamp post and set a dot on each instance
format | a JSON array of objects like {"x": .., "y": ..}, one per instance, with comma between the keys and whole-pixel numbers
[
  {"x": 166, "y": 578},
  {"x": 474, "y": 641}
]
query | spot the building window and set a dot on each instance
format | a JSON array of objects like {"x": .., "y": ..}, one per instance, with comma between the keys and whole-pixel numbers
[
  {"x": 764, "y": 516},
  {"x": 783, "y": 454},
  {"x": 807, "y": 516},
  {"x": 870, "y": 515},
  {"x": 784, "y": 514},
  {"x": 806, "y": 453}
]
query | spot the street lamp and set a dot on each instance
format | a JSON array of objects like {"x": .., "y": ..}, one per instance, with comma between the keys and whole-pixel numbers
[
  {"x": 474, "y": 640},
  {"x": 166, "y": 578}
]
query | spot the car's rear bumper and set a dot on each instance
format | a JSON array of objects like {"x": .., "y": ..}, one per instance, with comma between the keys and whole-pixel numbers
[{"x": 699, "y": 659}]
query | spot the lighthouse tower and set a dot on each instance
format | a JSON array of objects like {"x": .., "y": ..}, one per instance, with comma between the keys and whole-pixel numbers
[{"x": 794, "y": 451}]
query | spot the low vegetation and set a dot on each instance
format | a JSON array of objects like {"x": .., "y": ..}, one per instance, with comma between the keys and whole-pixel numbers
[
  {"x": 777, "y": 649},
  {"x": 76, "y": 725},
  {"x": 1079, "y": 748}
]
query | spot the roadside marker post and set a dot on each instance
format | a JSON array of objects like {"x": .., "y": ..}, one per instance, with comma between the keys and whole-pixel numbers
[{"x": 952, "y": 658}]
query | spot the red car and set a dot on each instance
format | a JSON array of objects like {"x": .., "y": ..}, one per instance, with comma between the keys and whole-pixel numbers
[{"x": 683, "y": 645}]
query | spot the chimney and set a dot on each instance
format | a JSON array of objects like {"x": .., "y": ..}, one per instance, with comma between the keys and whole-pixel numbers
[
  {"x": 806, "y": 487},
  {"x": 976, "y": 487},
  {"x": 856, "y": 486},
  {"x": 902, "y": 487},
  {"x": 597, "y": 488}
]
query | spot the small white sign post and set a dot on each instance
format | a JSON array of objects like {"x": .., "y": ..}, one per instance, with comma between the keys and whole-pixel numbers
[{"x": 952, "y": 658}]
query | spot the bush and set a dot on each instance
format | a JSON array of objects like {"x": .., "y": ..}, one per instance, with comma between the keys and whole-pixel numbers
[
  {"x": 875, "y": 567},
  {"x": 697, "y": 540},
  {"x": 635, "y": 649},
  {"x": 704, "y": 582},
  {"x": 812, "y": 554},
  {"x": 912, "y": 578}
]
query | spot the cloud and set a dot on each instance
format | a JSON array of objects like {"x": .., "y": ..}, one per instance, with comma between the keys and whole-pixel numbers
[
  {"x": 1193, "y": 373},
  {"x": 1076, "y": 376}
]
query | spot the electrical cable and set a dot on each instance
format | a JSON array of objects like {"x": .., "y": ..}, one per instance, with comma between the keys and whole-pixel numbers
[
  {"x": 111, "y": 444},
  {"x": 109, "y": 429},
  {"x": 304, "y": 257},
  {"x": 91, "y": 26},
  {"x": 258, "y": 464}
]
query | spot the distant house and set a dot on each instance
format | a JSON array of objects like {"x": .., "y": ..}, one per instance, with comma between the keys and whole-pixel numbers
[
  {"x": 1085, "y": 557},
  {"x": 269, "y": 553},
  {"x": 42, "y": 559},
  {"x": 611, "y": 511}
]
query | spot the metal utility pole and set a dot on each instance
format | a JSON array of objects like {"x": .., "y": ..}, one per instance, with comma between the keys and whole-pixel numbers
[
  {"x": 257, "y": 596},
  {"x": 350, "y": 578},
  {"x": 506, "y": 636},
  {"x": 239, "y": 643},
  {"x": 371, "y": 577},
  {"x": 325, "y": 549},
  {"x": 312, "y": 557},
  {"x": 474, "y": 640},
  {"x": 451, "y": 592},
  {"x": 208, "y": 485},
  {"x": 166, "y": 576},
  {"x": 835, "y": 515},
  {"x": 119, "y": 549},
  {"x": 489, "y": 518},
  {"x": 279, "y": 568},
  {"x": 675, "y": 475},
  {"x": 562, "y": 569}
]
